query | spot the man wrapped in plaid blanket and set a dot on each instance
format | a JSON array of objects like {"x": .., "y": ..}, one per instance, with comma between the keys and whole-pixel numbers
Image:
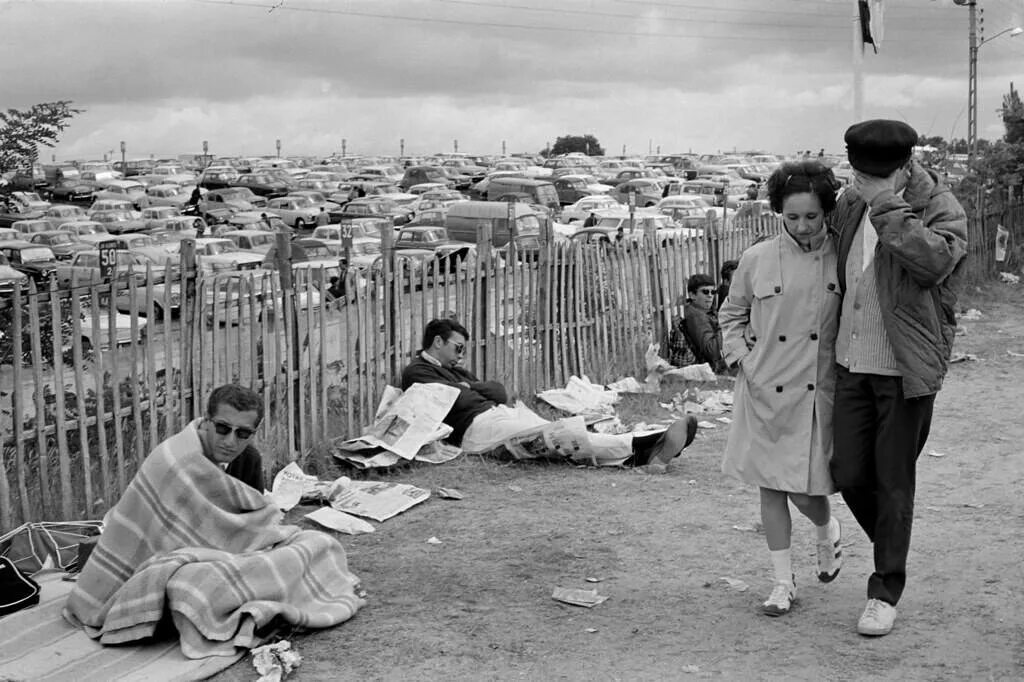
[{"x": 189, "y": 544}]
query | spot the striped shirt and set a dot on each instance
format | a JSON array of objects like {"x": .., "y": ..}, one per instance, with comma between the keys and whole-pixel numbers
[{"x": 862, "y": 345}]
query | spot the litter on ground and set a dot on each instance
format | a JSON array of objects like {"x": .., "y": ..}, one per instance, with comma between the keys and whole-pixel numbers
[
  {"x": 275, "y": 661},
  {"x": 578, "y": 597}
]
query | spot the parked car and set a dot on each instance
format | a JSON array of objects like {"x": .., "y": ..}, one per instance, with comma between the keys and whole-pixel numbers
[
  {"x": 263, "y": 185},
  {"x": 127, "y": 190},
  {"x": 155, "y": 216},
  {"x": 29, "y": 227},
  {"x": 8, "y": 234},
  {"x": 119, "y": 221},
  {"x": 573, "y": 187},
  {"x": 255, "y": 241},
  {"x": 10, "y": 279},
  {"x": 63, "y": 244},
  {"x": 580, "y": 210},
  {"x": 648, "y": 191},
  {"x": 89, "y": 231},
  {"x": 417, "y": 175},
  {"x": 72, "y": 191},
  {"x": 175, "y": 196},
  {"x": 216, "y": 255},
  {"x": 60, "y": 214},
  {"x": 234, "y": 198},
  {"x": 253, "y": 220},
  {"x": 297, "y": 211},
  {"x": 34, "y": 260}
]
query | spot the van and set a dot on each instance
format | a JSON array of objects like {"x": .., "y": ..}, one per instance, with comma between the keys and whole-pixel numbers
[
  {"x": 540, "y": 191},
  {"x": 466, "y": 218}
]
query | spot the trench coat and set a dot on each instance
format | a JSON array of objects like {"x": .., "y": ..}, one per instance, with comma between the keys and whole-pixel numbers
[{"x": 779, "y": 324}]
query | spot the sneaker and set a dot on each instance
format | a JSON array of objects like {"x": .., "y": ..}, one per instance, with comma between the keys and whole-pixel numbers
[
  {"x": 781, "y": 600},
  {"x": 877, "y": 619},
  {"x": 830, "y": 556}
]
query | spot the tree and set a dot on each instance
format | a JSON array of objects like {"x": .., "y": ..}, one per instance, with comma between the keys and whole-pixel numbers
[
  {"x": 22, "y": 131},
  {"x": 1013, "y": 116},
  {"x": 587, "y": 144}
]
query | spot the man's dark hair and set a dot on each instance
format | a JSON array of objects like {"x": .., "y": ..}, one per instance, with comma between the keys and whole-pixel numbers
[
  {"x": 697, "y": 281},
  {"x": 444, "y": 328},
  {"x": 728, "y": 267},
  {"x": 239, "y": 397}
]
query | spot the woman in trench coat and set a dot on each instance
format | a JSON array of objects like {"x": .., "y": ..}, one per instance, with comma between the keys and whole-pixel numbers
[{"x": 779, "y": 328}]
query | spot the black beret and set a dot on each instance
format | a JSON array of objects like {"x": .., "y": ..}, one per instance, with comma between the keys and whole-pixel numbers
[{"x": 879, "y": 146}]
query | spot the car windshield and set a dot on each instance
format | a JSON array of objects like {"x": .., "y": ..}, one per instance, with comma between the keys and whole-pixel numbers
[
  {"x": 90, "y": 229},
  {"x": 365, "y": 249},
  {"x": 62, "y": 238},
  {"x": 140, "y": 241},
  {"x": 215, "y": 248},
  {"x": 36, "y": 255}
]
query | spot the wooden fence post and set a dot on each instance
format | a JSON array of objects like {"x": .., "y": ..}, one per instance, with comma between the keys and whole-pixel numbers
[
  {"x": 191, "y": 313},
  {"x": 483, "y": 284}
]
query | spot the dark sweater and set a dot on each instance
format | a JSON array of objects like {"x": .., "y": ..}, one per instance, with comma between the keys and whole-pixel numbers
[
  {"x": 478, "y": 397},
  {"x": 248, "y": 468}
]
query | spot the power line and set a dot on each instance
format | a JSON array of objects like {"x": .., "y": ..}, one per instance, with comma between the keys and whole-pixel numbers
[{"x": 528, "y": 27}]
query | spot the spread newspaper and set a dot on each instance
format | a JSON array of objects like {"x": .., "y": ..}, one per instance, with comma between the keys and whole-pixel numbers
[{"x": 407, "y": 426}]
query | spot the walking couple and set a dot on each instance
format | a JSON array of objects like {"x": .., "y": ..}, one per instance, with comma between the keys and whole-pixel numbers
[{"x": 840, "y": 329}]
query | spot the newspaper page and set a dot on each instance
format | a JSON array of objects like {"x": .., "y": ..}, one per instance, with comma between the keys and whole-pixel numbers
[
  {"x": 557, "y": 440},
  {"x": 411, "y": 421},
  {"x": 378, "y": 500}
]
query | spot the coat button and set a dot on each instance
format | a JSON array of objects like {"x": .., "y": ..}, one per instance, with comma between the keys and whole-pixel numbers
[
  {"x": 814, "y": 336},
  {"x": 831, "y": 286},
  {"x": 810, "y": 387},
  {"x": 782, "y": 337},
  {"x": 778, "y": 290},
  {"x": 778, "y": 389}
]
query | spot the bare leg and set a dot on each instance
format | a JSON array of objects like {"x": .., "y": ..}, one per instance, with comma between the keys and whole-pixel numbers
[
  {"x": 814, "y": 507},
  {"x": 778, "y": 525}
]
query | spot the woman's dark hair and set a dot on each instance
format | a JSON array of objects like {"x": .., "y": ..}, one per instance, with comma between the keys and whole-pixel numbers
[{"x": 798, "y": 177}]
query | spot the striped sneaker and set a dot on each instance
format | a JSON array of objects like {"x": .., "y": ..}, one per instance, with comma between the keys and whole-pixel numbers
[
  {"x": 782, "y": 598},
  {"x": 830, "y": 555}
]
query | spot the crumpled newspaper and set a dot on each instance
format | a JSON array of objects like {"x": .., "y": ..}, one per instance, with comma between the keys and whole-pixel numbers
[
  {"x": 275, "y": 661},
  {"x": 1009, "y": 278}
]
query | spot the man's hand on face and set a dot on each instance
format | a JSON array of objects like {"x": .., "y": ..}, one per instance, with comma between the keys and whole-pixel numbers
[{"x": 870, "y": 186}]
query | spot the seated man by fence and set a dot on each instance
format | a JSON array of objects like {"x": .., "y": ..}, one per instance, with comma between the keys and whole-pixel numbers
[
  {"x": 695, "y": 337},
  {"x": 192, "y": 544},
  {"x": 481, "y": 419}
]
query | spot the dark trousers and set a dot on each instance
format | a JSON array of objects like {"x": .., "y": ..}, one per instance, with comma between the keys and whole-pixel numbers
[{"x": 878, "y": 437}]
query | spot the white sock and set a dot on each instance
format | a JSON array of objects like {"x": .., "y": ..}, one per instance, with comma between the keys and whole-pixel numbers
[
  {"x": 782, "y": 565},
  {"x": 825, "y": 533}
]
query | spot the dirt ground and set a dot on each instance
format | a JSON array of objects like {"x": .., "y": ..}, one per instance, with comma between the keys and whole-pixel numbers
[{"x": 478, "y": 605}]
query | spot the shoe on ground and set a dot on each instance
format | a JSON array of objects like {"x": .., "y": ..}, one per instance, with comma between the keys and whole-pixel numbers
[
  {"x": 660, "y": 448},
  {"x": 781, "y": 600},
  {"x": 830, "y": 556},
  {"x": 877, "y": 619}
]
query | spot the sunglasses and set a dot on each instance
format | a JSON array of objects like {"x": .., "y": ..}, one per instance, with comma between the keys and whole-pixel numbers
[
  {"x": 707, "y": 292},
  {"x": 224, "y": 429},
  {"x": 460, "y": 348}
]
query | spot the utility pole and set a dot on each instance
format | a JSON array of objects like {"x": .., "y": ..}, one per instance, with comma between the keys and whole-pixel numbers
[{"x": 972, "y": 83}]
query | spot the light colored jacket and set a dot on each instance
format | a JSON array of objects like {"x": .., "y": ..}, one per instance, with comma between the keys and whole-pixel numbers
[{"x": 779, "y": 323}]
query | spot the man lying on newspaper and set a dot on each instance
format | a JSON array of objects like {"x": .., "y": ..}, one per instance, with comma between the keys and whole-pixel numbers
[
  {"x": 481, "y": 420},
  {"x": 192, "y": 546}
]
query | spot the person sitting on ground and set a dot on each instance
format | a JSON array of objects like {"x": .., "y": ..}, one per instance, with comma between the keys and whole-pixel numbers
[
  {"x": 695, "y": 337},
  {"x": 192, "y": 545},
  {"x": 481, "y": 418}
]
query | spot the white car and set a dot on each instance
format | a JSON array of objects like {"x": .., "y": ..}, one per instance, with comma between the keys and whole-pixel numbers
[
  {"x": 297, "y": 211},
  {"x": 88, "y": 231},
  {"x": 126, "y": 190},
  {"x": 585, "y": 206},
  {"x": 217, "y": 255}
]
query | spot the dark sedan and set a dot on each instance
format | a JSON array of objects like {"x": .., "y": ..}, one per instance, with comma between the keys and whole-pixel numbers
[
  {"x": 263, "y": 184},
  {"x": 74, "y": 192},
  {"x": 35, "y": 260}
]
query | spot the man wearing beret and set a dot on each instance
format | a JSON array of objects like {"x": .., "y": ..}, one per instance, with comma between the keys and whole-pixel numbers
[{"x": 901, "y": 236}]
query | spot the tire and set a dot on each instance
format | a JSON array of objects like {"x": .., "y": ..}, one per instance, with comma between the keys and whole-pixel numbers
[{"x": 300, "y": 224}]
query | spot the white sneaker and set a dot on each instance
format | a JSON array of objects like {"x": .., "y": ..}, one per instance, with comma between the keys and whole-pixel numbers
[
  {"x": 782, "y": 598},
  {"x": 830, "y": 555},
  {"x": 877, "y": 619}
]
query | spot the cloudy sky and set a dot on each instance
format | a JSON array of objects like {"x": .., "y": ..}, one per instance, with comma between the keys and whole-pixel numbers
[{"x": 701, "y": 75}]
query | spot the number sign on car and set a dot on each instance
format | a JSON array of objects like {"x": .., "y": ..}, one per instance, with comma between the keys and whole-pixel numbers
[{"x": 108, "y": 259}]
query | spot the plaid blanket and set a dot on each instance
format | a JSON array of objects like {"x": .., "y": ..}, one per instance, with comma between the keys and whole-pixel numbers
[{"x": 190, "y": 541}]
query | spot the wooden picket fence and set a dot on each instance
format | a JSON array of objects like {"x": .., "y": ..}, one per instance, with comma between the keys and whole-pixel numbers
[{"x": 81, "y": 409}]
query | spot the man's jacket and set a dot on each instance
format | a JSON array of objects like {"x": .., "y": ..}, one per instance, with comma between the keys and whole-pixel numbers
[
  {"x": 475, "y": 396},
  {"x": 922, "y": 241}
]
